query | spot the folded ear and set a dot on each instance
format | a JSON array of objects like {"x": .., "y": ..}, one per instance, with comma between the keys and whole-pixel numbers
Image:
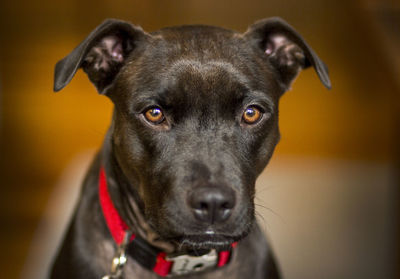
[
  {"x": 101, "y": 54},
  {"x": 286, "y": 50}
]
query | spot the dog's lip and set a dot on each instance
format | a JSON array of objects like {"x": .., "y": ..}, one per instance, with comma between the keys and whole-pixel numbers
[
  {"x": 209, "y": 235},
  {"x": 210, "y": 232},
  {"x": 206, "y": 240}
]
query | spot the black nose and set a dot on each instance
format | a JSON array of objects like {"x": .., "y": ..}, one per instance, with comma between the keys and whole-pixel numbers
[{"x": 212, "y": 204}]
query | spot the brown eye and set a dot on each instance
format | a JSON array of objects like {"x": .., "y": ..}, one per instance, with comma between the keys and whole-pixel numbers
[
  {"x": 154, "y": 115},
  {"x": 251, "y": 115}
]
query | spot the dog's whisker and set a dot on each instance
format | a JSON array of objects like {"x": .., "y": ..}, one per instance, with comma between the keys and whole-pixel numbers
[
  {"x": 261, "y": 219},
  {"x": 265, "y": 188},
  {"x": 271, "y": 211}
]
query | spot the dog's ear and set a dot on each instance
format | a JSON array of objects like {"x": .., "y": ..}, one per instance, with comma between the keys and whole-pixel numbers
[
  {"x": 101, "y": 55},
  {"x": 286, "y": 50}
]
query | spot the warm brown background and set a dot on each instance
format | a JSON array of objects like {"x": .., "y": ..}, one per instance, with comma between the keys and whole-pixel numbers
[{"x": 41, "y": 132}]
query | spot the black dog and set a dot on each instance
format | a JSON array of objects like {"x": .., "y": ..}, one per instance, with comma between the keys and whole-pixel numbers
[{"x": 195, "y": 122}]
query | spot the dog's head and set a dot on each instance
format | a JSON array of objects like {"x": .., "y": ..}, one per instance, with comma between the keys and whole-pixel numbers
[{"x": 196, "y": 116}]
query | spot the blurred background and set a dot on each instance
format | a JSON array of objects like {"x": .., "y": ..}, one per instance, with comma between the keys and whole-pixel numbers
[{"x": 329, "y": 198}]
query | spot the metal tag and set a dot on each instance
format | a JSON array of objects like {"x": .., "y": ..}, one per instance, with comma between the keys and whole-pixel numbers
[
  {"x": 119, "y": 259},
  {"x": 185, "y": 264}
]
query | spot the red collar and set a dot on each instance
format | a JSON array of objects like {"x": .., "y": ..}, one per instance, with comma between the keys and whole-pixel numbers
[{"x": 119, "y": 230}]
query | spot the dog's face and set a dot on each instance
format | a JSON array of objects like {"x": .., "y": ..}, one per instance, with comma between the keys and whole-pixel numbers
[
  {"x": 203, "y": 123},
  {"x": 196, "y": 117}
]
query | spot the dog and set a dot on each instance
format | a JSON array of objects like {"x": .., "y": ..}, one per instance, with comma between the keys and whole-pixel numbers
[{"x": 195, "y": 121}]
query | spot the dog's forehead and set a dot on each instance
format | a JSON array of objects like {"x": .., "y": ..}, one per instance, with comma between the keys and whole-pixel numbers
[
  {"x": 207, "y": 70},
  {"x": 208, "y": 62},
  {"x": 209, "y": 78},
  {"x": 194, "y": 83}
]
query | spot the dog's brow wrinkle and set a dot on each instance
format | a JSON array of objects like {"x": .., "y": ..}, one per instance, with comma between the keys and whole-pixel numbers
[{"x": 204, "y": 67}]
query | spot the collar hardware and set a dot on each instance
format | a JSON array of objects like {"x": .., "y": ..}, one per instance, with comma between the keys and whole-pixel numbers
[
  {"x": 119, "y": 259},
  {"x": 185, "y": 264}
]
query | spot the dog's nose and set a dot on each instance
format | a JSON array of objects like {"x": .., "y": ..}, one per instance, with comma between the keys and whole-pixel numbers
[{"x": 212, "y": 204}]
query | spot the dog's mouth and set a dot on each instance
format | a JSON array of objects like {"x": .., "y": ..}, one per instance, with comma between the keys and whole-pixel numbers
[{"x": 206, "y": 241}]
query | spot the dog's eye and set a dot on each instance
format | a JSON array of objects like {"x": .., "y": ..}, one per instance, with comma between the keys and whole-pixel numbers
[
  {"x": 154, "y": 115},
  {"x": 251, "y": 115}
]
